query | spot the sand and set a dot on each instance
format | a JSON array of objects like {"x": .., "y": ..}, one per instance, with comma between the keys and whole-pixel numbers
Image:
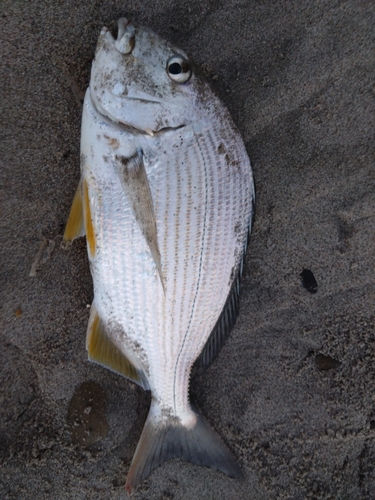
[{"x": 292, "y": 392}]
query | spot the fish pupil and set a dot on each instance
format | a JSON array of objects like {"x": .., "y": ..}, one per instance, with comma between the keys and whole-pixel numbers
[{"x": 175, "y": 68}]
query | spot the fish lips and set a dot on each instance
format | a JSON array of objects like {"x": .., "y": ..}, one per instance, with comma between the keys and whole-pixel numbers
[{"x": 139, "y": 112}]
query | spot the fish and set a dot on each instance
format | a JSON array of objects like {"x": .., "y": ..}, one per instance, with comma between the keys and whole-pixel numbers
[{"x": 166, "y": 201}]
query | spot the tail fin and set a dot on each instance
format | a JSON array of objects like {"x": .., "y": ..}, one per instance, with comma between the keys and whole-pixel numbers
[{"x": 164, "y": 438}]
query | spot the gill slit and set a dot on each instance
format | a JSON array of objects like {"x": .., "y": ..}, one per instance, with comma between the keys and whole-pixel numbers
[{"x": 199, "y": 273}]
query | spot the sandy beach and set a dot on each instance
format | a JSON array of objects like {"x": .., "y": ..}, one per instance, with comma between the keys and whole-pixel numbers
[{"x": 292, "y": 393}]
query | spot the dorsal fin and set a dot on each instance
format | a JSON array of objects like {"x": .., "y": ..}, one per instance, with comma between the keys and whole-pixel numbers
[
  {"x": 135, "y": 183},
  {"x": 225, "y": 323},
  {"x": 75, "y": 226},
  {"x": 103, "y": 351},
  {"x": 221, "y": 330}
]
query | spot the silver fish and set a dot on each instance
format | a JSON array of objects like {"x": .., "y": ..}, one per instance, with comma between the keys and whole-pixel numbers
[{"x": 165, "y": 200}]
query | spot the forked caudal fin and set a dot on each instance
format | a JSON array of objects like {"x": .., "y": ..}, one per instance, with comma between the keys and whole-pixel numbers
[{"x": 164, "y": 438}]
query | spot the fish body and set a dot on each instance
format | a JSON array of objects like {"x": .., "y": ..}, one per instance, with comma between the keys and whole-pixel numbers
[{"x": 165, "y": 200}]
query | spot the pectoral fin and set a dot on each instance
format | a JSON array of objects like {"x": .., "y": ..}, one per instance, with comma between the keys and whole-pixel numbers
[
  {"x": 137, "y": 189},
  {"x": 75, "y": 226},
  {"x": 103, "y": 351}
]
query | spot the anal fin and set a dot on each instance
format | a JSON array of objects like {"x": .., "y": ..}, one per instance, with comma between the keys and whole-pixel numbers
[
  {"x": 103, "y": 351},
  {"x": 75, "y": 226}
]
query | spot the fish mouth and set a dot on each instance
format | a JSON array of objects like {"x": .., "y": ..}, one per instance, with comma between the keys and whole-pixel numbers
[
  {"x": 128, "y": 127},
  {"x": 143, "y": 99},
  {"x": 139, "y": 99},
  {"x": 108, "y": 116}
]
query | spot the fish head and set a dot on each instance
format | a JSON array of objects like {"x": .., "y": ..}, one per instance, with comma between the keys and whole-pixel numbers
[{"x": 142, "y": 81}]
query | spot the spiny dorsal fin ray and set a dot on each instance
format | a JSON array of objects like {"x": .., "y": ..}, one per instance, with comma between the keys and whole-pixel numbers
[
  {"x": 167, "y": 439},
  {"x": 75, "y": 226},
  {"x": 137, "y": 189},
  {"x": 103, "y": 351}
]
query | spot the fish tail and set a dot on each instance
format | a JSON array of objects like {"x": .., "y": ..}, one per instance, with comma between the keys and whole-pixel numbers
[{"x": 165, "y": 437}]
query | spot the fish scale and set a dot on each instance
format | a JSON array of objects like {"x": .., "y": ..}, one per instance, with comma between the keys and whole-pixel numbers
[{"x": 168, "y": 194}]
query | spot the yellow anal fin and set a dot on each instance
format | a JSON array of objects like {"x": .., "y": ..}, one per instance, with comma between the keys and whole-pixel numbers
[
  {"x": 75, "y": 226},
  {"x": 103, "y": 351},
  {"x": 89, "y": 226}
]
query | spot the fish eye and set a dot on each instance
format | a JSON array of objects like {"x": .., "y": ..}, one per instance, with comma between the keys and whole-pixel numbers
[{"x": 178, "y": 69}]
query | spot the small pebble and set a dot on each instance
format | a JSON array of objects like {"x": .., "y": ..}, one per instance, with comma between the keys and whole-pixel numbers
[
  {"x": 309, "y": 281},
  {"x": 324, "y": 362}
]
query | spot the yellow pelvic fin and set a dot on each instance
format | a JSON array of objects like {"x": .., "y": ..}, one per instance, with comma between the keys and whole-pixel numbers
[
  {"x": 75, "y": 226},
  {"x": 90, "y": 233},
  {"x": 103, "y": 351}
]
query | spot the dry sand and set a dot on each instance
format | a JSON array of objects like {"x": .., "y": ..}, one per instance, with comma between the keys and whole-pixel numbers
[{"x": 293, "y": 391}]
